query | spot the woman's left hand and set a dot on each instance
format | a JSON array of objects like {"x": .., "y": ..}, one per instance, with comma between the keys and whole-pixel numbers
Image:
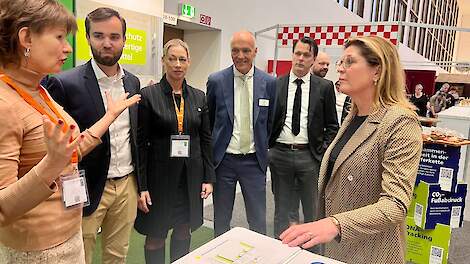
[
  {"x": 310, "y": 234},
  {"x": 206, "y": 190},
  {"x": 115, "y": 107}
]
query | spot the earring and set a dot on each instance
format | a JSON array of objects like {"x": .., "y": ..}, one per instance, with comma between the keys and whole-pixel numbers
[
  {"x": 375, "y": 82},
  {"x": 27, "y": 52}
]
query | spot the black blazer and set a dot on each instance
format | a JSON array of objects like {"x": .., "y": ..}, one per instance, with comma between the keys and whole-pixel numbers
[
  {"x": 161, "y": 174},
  {"x": 322, "y": 123},
  {"x": 77, "y": 91}
]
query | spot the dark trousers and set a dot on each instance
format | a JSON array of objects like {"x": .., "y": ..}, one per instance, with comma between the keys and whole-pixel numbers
[
  {"x": 288, "y": 169},
  {"x": 244, "y": 169}
]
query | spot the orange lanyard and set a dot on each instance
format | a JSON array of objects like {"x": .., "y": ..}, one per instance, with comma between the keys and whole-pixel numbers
[
  {"x": 30, "y": 100},
  {"x": 179, "y": 113}
]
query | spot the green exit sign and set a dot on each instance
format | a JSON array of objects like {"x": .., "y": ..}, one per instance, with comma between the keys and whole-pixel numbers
[{"x": 187, "y": 10}]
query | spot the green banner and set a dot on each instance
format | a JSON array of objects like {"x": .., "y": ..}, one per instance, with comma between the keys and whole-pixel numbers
[
  {"x": 427, "y": 246},
  {"x": 70, "y": 62},
  {"x": 134, "y": 52}
]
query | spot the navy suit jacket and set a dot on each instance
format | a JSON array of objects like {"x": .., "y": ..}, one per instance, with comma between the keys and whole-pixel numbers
[
  {"x": 220, "y": 101},
  {"x": 77, "y": 91}
]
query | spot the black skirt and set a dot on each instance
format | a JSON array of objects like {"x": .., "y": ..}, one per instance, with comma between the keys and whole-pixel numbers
[{"x": 152, "y": 225}]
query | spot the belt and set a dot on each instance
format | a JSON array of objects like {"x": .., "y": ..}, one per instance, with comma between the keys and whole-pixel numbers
[
  {"x": 247, "y": 155},
  {"x": 292, "y": 146},
  {"x": 119, "y": 178}
]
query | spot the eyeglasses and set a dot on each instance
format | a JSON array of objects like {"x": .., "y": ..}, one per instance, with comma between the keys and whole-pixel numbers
[
  {"x": 175, "y": 60},
  {"x": 345, "y": 62}
]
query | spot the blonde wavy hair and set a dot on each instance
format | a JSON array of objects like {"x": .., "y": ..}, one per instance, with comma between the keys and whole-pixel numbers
[{"x": 391, "y": 86}]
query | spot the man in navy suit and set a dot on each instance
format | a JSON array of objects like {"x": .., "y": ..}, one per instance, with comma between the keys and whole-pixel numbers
[
  {"x": 110, "y": 169},
  {"x": 241, "y": 101}
]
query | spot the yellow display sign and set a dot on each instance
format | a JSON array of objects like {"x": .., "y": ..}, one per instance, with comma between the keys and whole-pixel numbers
[{"x": 134, "y": 52}]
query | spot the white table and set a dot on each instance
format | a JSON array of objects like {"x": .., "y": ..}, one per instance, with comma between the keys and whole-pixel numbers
[
  {"x": 458, "y": 118},
  {"x": 252, "y": 248}
]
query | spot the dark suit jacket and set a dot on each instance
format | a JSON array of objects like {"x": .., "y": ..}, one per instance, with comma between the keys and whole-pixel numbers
[
  {"x": 78, "y": 92},
  {"x": 160, "y": 174},
  {"x": 322, "y": 123},
  {"x": 220, "y": 100}
]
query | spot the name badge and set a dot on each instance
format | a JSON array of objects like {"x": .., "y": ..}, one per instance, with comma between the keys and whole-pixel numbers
[
  {"x": 179, "y": 146},
  {"x": 263, "y": 102},
  {"x": 74, "y": 189}
]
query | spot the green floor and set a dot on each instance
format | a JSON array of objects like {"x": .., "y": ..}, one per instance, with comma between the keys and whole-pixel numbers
[{"x": 136, "y": 247}]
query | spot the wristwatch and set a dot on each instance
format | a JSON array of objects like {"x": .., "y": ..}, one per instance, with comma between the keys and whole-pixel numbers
[{"x": 338, "y": 225}]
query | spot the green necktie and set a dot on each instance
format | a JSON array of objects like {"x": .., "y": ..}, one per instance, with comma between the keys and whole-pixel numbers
[{"x": 244, "y": 116}]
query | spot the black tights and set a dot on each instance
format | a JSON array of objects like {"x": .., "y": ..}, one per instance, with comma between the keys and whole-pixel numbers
[{"x": 179, "y": 245}]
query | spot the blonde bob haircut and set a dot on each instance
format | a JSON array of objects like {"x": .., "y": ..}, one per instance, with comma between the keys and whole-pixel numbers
[
  {"x": 175, "y": 42},
  {"x": 391, "y": 86}
]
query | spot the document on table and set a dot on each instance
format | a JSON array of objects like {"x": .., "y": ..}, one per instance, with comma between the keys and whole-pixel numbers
[
  {"x": 242, "y": 246},
  {"x": 242, "y": 252}
]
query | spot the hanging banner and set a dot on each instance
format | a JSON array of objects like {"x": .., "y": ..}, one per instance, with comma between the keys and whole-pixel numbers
[{"x": 334, "y": 35}]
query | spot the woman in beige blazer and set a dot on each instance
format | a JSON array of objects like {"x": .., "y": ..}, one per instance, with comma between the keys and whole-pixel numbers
[{"x": 368, "y": 172}]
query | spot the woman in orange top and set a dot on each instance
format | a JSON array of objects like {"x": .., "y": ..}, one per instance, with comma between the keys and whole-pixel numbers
[{"x": 38, "y": 139}]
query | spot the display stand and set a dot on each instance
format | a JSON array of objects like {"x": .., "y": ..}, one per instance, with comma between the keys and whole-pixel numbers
[
  {"x": 458, "y": 118},
  {"x": 438, "y": 200},
  {"x": 243, "y": 246}
]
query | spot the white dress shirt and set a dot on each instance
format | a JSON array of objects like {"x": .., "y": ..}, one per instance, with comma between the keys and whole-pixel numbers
[
  {"x": 234, "y": 145},
  {"x": 286, "y": 136},
  {"x": 120, "y": 163},
  {"x": 340, "y": 98}
]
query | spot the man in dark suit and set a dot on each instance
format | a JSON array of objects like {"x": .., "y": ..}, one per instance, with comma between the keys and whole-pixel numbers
[
  {"x": 305, "y": 123},
  {"x": 111, "y": 167},
  {"x": 241, "y": 101}
]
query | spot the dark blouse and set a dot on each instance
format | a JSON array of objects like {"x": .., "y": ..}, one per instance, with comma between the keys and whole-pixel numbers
[
  {"x": 420, "y": 103},
  {"x": 348, "y": 133}
]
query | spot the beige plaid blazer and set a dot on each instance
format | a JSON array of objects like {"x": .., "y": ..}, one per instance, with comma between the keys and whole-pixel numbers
[{"x": 371, "y": 186}]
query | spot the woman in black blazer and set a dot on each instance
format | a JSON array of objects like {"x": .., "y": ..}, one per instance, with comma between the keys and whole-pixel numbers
[{"x": 176, "y": 166}]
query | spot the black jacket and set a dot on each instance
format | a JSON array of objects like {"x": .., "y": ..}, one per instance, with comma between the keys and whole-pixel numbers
[
  {"x": 77, "y": 91},
  {"x": 161, "y": 174},
  {"x": 322, "y": 122}
]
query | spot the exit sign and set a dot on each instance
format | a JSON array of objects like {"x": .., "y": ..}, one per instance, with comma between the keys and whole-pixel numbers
[{"x": 187, "y": 10}]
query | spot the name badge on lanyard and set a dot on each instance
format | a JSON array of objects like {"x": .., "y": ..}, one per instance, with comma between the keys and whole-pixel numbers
[
  {"x": 74, "y": 189},
  {"x": 179, "y": 144},
  {"x": 73, "y": 184}
]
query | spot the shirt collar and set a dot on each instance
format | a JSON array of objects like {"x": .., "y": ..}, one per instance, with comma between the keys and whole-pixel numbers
[
  {"x": 293, "y": 77},
  {"x": 239, "y": 74},
  {"x": 101, "y": 75}
]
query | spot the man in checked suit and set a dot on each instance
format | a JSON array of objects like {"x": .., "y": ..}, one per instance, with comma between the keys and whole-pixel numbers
[
  {"x": 241, "y": 101},
  {"x": 305, "y": 123},
  {"x": 111, "y": 168}
]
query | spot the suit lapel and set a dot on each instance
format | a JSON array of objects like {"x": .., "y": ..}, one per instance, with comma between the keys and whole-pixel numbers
[
  {"x": 259, "y": 90},
  {"x": 314, "y": 94},
  {"x": 133, "y": 109},
  {"x": 91, "y": 84},
  {"x": 283, "y": 94},
  {"x": 362, "y": 134},
  {"x": 228, "y": 91}
]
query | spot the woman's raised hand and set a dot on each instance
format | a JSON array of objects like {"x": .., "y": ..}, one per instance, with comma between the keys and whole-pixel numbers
[{"x": 59, "y": 146}]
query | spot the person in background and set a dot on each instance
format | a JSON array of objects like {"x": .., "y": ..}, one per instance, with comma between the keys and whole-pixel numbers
[
  {"x": 304, "y": 124},
  {"x": 437, "y": 102},
  {"x": 111, "y": 168},
  {"x": 321, "y": 64},
  {"x": 420, "y": 100},
  {"x": 241, "y": 101},
  {"x": 452, "y": 97},
  {"x": 40, "y": 143},
  {"x": 174, "y": 184},
  {"x": 368, "y": 172},
  {"x": 319, "y": 68}
]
